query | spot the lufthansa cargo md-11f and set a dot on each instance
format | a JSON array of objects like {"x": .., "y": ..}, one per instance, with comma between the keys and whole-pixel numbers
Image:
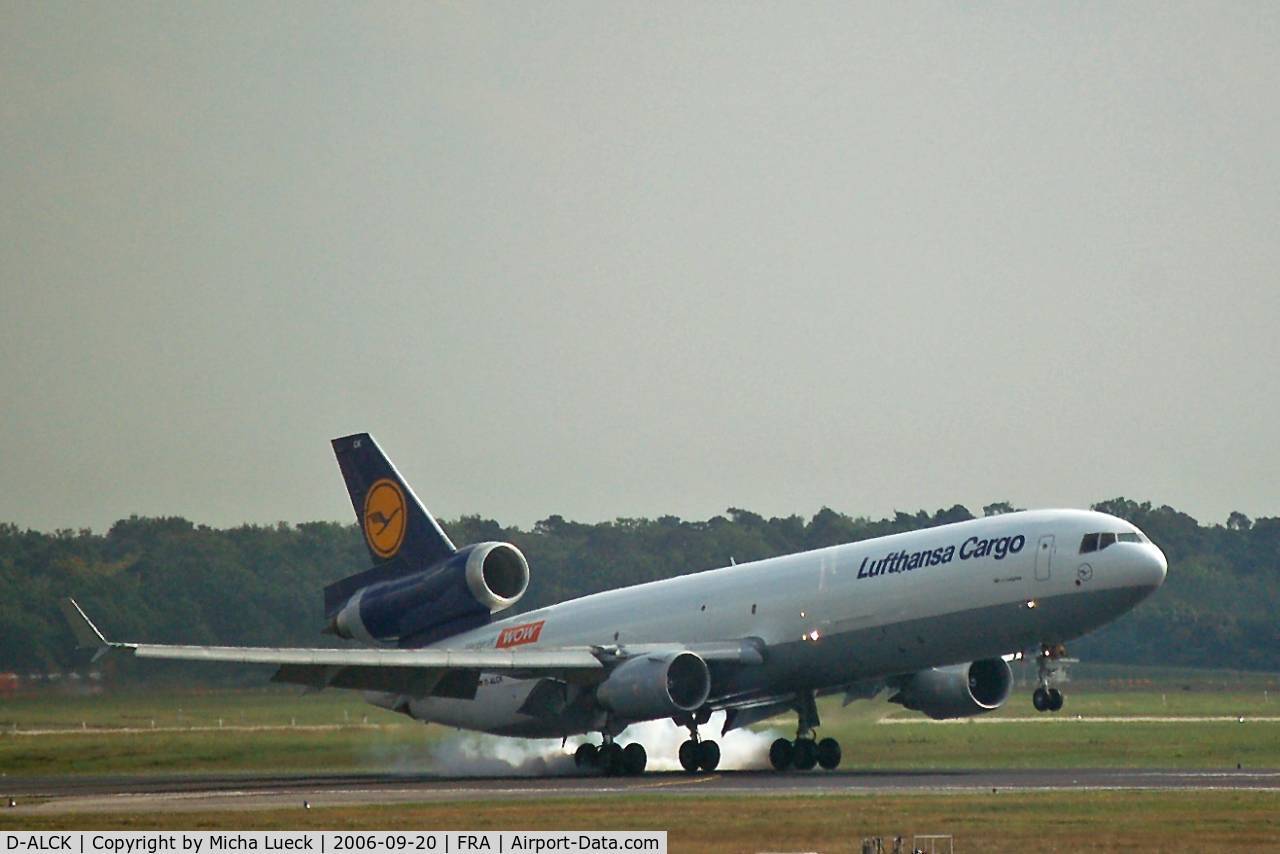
[{"x": 933, "y": 616}]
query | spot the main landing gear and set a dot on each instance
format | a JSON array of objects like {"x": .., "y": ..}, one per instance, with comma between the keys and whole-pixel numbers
[
  {"x": 612, "y": 758},
  {"x": 1049, "y": 662},
  {"x": 806, "y": 751},
  {"x": 695, "y": 753}
]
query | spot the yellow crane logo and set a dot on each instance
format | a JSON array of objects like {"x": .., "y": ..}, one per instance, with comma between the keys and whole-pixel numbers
[{"x": 384, "y": 517}]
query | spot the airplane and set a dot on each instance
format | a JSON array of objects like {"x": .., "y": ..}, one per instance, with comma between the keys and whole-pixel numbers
[{"x": 932, "y": 615}]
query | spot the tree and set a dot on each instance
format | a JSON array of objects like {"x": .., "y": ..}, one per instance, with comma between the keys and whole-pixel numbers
[{"x": 1237, "y": 521}]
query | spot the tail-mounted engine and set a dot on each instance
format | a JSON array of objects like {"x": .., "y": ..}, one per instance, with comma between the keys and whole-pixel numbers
[
  {"x": 452, "y": 596},
  {"x": 656, "y": 686},
  {"x": 958, "y": 691}
]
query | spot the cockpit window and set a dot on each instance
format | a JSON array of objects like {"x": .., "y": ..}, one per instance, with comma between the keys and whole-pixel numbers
[{"x": 1098, "y": 542}]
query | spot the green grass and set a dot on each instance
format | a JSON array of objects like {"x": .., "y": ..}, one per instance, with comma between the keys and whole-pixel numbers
[
  {"x": 1013, "y": 821},
  {"x": 172, "y": 708},
  {"x": 204, "y": 731},
  {"x": 1059, "y": 745}
]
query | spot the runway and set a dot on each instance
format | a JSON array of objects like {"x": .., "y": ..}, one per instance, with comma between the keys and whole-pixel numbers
[{"x": 238, "y": 792}]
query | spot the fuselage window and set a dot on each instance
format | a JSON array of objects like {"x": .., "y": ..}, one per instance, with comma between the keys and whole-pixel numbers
[
  {"x": 1089, "y": 543},
  {"x": 1105, "y": 540}
]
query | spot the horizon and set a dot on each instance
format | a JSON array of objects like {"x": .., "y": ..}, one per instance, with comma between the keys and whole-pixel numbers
[{"x": 725, "y": 514}]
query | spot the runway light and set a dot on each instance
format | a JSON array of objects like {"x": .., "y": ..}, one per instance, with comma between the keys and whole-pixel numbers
[
  {"x": 1031, "y": 603},
  {"x": 814, "y": 635}
]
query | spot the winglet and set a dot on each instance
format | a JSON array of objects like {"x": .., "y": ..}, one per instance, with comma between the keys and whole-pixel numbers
[{"x": 87, "y": 634}]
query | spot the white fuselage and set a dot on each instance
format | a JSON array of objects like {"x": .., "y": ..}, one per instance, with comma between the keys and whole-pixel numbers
[{"x": 831, "y": 617}]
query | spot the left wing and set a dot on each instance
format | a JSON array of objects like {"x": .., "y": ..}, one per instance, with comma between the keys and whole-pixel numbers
[
  {"x": 417, "y": 672},
  {"x": 420, "y": 672}
]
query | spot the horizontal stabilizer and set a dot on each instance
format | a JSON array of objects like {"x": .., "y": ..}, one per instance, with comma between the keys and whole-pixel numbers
[{"x": 337, "y": 593}]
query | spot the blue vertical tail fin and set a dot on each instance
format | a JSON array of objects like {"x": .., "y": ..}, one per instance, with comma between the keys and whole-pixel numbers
[{"x": 396, "y": 525}]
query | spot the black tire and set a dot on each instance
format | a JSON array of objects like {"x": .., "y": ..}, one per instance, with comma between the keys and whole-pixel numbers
[
  {"x": 1040, "y": 699},
  {"x": 829, "y": 753},
  {"x": 689, "y": 756},
  {"x": 611, "y": 758},
  {"x": 708, "y": 755},
  {"x": 634, "y": 758},
  {"x": 585, "y": 756},
  {"x": 780, "y": 753},
  {"x": 1055, "y": 700},
  {"x": 805, "y": 755}
]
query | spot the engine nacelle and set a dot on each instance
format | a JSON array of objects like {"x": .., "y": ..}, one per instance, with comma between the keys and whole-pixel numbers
[
  {"x": 497, "y": 575},
  {"x": 656, "y": 686},
  {"x": 456, "y": 594},
  {"x": 957, "y": 691}
]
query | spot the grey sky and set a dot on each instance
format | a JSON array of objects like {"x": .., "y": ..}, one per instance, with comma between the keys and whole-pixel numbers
[{"x": 621, "y": 260}]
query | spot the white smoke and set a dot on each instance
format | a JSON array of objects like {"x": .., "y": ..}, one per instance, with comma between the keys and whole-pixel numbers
[
  {"x": 472, "y": 755},
  {"x": 477, "y": 755}
]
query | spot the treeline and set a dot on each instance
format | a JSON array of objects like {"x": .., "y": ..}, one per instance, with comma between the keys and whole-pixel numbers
[{"x": 168, "y": 580}]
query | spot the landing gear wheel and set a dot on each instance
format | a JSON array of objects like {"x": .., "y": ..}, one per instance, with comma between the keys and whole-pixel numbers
[
  {"x": 689, "y": 755},
  {"x": 610, "y": 758},
  {"x": 1055, "y": 700},
  {"x": 780, "y": 753},
  {"x": 708, "y": 755},
  {"x": 828, "y": 751},
  {"x": 585, "y": 756},
  {"x": 1040, "y": 699},
  {"x": 634, "y": 758},
  {"x": 805, "y": 755}
]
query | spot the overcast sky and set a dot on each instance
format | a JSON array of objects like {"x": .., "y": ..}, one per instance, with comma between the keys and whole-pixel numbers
[{"x": 625, "y": 260}]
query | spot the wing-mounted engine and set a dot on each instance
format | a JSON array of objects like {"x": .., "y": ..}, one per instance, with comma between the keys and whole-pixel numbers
[
  {"x": 656, "y": 685},
  {"x": 957, "y": 691},
  {"x": 456, "y": 594}
]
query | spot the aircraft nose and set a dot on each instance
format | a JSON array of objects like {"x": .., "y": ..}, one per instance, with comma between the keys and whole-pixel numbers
[{"x": 1155, "y": 567}]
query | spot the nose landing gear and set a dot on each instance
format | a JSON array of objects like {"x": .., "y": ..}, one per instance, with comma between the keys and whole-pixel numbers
[
  {"x": 1051, "y": 665},
  {"x": 806, "y": 751},
  {"x": 1046, "y": 699}
]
